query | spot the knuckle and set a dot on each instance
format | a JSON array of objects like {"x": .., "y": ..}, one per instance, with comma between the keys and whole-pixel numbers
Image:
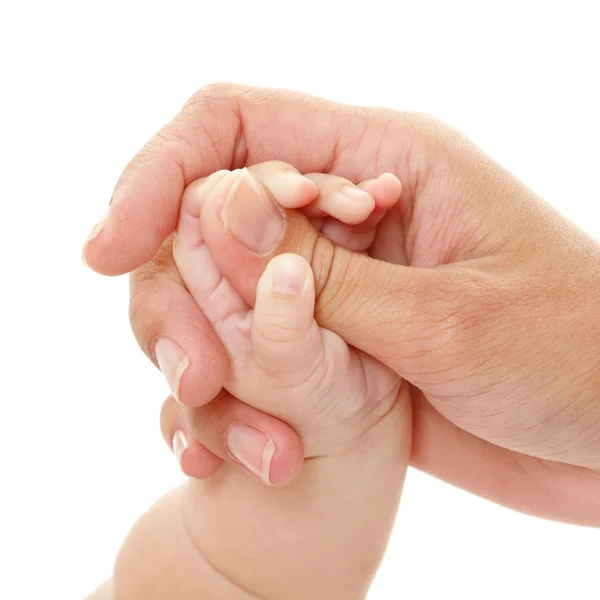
[
  {"x": 216, "y": 90},
  {"x": 213, "y": 100},
  {"x": 213, "y": 117},
  {"x": 428, "y": 143}
]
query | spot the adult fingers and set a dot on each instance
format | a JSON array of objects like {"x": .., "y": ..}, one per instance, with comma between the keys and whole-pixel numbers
[
  {"x": 229, "y": 126},
  {"x": 395, "y": 313},
  {"x": 195, "y": 460},
  {"x": 262, "y": 445},
  {"x": 168, "y": 325},
  {"x": 227, "y": 430}
]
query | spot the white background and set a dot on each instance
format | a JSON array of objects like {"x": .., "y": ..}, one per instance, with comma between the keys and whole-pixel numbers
[{"x": 83, "y": 86}]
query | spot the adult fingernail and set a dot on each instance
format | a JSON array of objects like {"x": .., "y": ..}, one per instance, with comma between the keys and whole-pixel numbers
[
  {"x": 180, "y": 443},
  {"x": 286, "y": 274},
  {"x": 172, "y": 361},
  {"x": 253, "y": 449},
  {"x": 93, "y": 234},
  {"x": 251, "y": 217}
]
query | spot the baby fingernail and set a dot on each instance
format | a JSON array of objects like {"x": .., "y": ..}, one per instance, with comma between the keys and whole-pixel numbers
[
  {"x": 180, "y": 443},
  {"x": 251, "y": 217},
  {"x": 287, "y": 186},
  {"x": 351, "y": 192},
  {"x": 252, "y": 449},
  {"x": 290, "y": 274},
  {"x": 172, "y": 361}
]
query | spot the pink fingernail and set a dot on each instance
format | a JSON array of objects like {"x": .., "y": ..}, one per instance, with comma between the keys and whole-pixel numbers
[
  {"x": 289, "y": 187},
  {"x": 252, "y": 449},
  {"x": 353, "y": 193},
  {"x": 251, "y": 217},
  {"x": 172, "y": 361},
  {"x": 180, "y": 444},
  {"x": 286, "y": 274}
]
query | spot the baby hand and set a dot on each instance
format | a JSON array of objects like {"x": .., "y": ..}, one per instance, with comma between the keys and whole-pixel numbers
[{"x": 282, "y": 363}]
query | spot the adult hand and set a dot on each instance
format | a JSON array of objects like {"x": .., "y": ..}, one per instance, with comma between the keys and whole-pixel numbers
[{"x": 494, "y": 321}]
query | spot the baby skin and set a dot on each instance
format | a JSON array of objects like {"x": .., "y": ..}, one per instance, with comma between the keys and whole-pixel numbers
[{"x": 239, "y": 534}]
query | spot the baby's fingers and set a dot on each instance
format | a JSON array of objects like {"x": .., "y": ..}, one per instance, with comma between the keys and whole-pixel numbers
[
  {"x": 340, "y": 199},
  {"x": 385, "y": 190},
  {"x": 317, "y": 194},
  {"x": 289, "y": 188}
]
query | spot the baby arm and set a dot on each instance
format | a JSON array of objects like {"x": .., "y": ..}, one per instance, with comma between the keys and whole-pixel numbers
[{"x": 323, "y": 535}]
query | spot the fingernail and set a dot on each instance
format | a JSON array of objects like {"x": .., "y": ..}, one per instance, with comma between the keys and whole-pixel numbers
[
  {"x": 252, "y": 448},
  {"x": 172, "y": 361},
  {"x": 94, "y": 233},
  {"x": 351, "y": 192},
  {"x": 287, "y": 185},
  {"x": 251, "y": 217},
  {"x": 180, "y": 443},
  {"x": 288, "y": 274}
]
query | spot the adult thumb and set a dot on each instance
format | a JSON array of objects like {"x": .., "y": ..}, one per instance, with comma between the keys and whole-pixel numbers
[{"x": 397, "y": 314}]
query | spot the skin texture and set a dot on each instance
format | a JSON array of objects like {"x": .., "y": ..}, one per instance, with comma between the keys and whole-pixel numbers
[
  {"x": 322, "y": 535},
  {"x": 489, "y": 310},
  {"x": 223, "y": 537},
  {"x": 349, "y": 215}
]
